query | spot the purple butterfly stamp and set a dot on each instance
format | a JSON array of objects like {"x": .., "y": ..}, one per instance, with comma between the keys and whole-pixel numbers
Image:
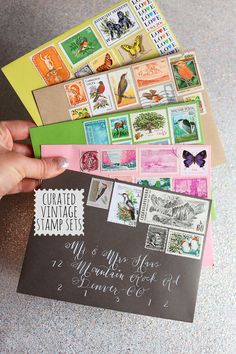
[{"x": 194, "y": 160}]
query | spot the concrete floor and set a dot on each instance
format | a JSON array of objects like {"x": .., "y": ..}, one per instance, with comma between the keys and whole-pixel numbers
[{"x": 35, "y": 325}]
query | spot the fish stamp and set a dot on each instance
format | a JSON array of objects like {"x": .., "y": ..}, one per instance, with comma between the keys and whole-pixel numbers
[
  {"x": 99, "y": 193},
  {"x": 156, "y": 238},
  {"x": 125, "y": 204},
  {"x": 75, "y": 93},
  {"x": 197, "y": 187},
  {"x": 89, "y": 161},
  {"x": 80, "y": 112},
  {"x": 184, "y": 244},
  {"x": 50, "y": 66},
  {"x": 96, "y": 132},
  {"x": 178, "y": 212},
  {"x": 118, "y": 160},
  {"x": 161, "y": 161},
  {"x": 119, "y": 128}
]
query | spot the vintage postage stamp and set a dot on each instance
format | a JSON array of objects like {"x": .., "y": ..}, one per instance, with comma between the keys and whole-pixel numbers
[
  {"x": 147, "y": 126},
  {"x": 89, "y": 161},
  {"x": 104, "y": 62},
  {"x": 125, "y": 204},
  {"x": 119, "y": 128},
  {"x": 160, "y": 183},
  {"x": 100, "y": 193},
  {"x": 80, "y": 46},
  {"x": 185, "y": 72},
  {"x": 157, "y": 95},
  {"x": 99, "y": 93},
  {"x": 75, "y": 93},
  {"x": 50, "y": 66},
  {"x": 198, "y": 97},
  {"x": 197, "y": 187},
  {"x": 156, "y": 238},
  {"x": 161, "y": 161},
  {"x": 184, "y": 244},
  {"x": 83, "y": 71},
  {"x": 117, "y": 24},
  {"x": 178, "y": 212},
  {"x": 118, "y": 160},
  {"x": 152, "y": 73},
  {"x": 164, "y": 40},
  {"x": 123, "y": 88},
  {"x": 148, "y": 14},
  {"x": 80, "y": 112},
  {"x": 96, "y": 132},
  {"x": 194, "y": 161},
  {"x": 185, "y": 124}
]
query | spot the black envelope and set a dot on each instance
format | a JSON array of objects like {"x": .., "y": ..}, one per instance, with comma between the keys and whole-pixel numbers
[{"x": 116, "y": 245}]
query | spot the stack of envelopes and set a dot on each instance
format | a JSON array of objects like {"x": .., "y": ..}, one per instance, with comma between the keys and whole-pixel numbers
[{"x": 120, "y": 99}]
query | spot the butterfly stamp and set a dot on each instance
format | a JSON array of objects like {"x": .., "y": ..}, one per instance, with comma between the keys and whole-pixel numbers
[
  {"x": 184, "y": 244},
  {"x": 50, "y": 66},
  {"x": 117, "y": 24},
  {"x": 194, "y": 161},
  {"x": 156, "y": 238},
  {"x": 197, "y": 187},
  {"x": 158, "y": 161},
  {"x": 160, "y": 183},
  {"x": 185, "y": 123},
  {"x": 99, "y": 94},
  {"x": 89, "y": 161},
  {"x": 151, "y": 73},
  {"x": 119, "y": 128},
  {"x": 125, "y": 204},
  {"x": 80, "y": 112},
  {"x": 198, "y": 97},
  {"x": 75, "y": 93},
  {"x": 148, "y": 126},
  {"x": 178, "y": 212},
  {"x": 104, "y": 62},
  {"x": 157, "y": 95},
  {"x": 80, "y": 46},
  {"x": 99, "y": 193},
  {"x": 123, "y": 88},
  {"x": 118, "y": 160},
  {"x": 83, "y": 71},
  {"x": 96, "y": 132}
]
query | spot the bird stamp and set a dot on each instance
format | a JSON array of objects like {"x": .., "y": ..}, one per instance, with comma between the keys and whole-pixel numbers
[
  {"x": 161, "y": 183},
  {"x": 156, "y": 238},
  {"x": 75, "y": 93},
  {"x": 96, "y": 132},
  {"x": 196, "y": 187},
  {"x": 157, "y": 95},
  {"x": 184, "y": 244},
  {"x": 49, "y": 64},
  {"x": 198, "y": 97},
  {"x": 99, "y": 193},
  {"x": 99, "y": 94},
  {"x": 80, "y": 112},
  {"x": 119, "y": 127},
  {"x": 89, "y": 160},
  {"x": 123, "y": 88},
  {"x": 80, "y": 46},
  {"x": 162, "y": 161},
  {"x": 167, "y": 209},
  {"x": 118, "y": 160},
  {"x": 185, "y": 123},
  {"x": 125, "y": 204},
  {"x": 149, "y": 125},
  {"x": 152, "y": 73},
  {"x": 117, "y": 24}
]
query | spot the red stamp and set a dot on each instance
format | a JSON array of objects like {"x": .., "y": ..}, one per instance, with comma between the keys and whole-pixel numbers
[{"x": 89, "y": 161}]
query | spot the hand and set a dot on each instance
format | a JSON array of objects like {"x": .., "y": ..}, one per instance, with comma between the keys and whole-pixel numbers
[{"x": 19, "y": 171}]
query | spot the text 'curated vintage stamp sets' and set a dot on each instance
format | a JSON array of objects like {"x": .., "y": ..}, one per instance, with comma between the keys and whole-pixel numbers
[{"x": 128, "y": 226}]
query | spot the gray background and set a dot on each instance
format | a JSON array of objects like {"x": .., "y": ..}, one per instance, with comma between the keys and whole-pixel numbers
[{"x": 35, "y": 325}]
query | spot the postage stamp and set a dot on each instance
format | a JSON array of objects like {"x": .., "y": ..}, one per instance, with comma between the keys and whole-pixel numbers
[
  {"x": 96, "y": 132},
  {"x": 185, "y": 125},
  {"x": 80, "y": 112},
  {"x": 104, "y": 62},
  {"x": 156, "y": 238},
  {"x": 198, "y": 97},
  {"x": 99, "y": 193},
  {"x": 99, "y": 94},
  {"x": 164, "y": 40},
  {"x": 194, "y": 161},
  {"x": 119, "y": 127},
  {"x": 75, "y": 93},
  {"x": 148, "y": 14},
  {"x": 157, "y": 95},
  {"x": 80, "y": 45},
  {"x": 185, "y": 72},
  {"x": 147, "y": 126},
  {"x": 160, "y": 183},
  {"x": 123, "y": 88},
  {"x": 197, "y": 187},
  {"x": 118, "y": 160},
  {"x": 184, "y": 244},
  {"x": 125, "y": 204},
  {"x": 176, "y": 211},
  {"x": 161, "y": 161},
  {"x": 117, "y": 24},
  {"x": 152, "y": 73},
  {"x": 89, "y": 160},
  {"x": 83, "y": 71},
  {"x": 50, "y": 65}
]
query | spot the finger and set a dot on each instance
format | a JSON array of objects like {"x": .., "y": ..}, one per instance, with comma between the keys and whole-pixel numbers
[
  {"x": 23, "y": 149},
  {"x": 26, "y": 185},
  {"x": 19, "y": 129}
]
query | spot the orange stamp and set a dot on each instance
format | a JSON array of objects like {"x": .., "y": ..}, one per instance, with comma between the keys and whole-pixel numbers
[
  {"x": 50, "y": 66},
  {"x": 75, "y": 93}
]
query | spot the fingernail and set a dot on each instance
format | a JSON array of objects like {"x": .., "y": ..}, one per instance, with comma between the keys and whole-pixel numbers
[{"x": 63, "y": 163}]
